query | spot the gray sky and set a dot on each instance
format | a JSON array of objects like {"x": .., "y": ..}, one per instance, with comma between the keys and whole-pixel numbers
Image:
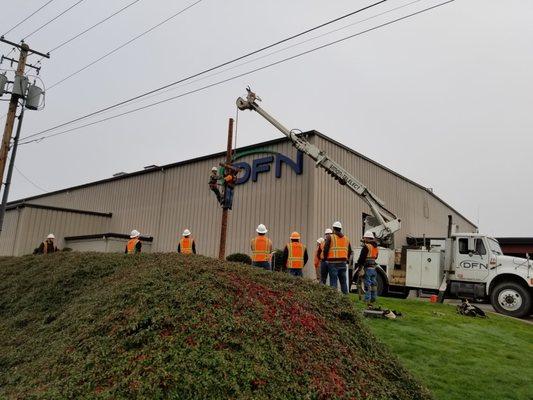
[{"x": 443, "y": 98}]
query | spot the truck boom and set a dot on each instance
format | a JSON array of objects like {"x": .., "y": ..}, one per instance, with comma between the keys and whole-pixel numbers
[{"x": 388, "y": 223}]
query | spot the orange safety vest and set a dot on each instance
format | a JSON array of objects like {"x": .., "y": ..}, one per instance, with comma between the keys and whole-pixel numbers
[
  {"x": 372, "y": 252},
  {"x": 132, "y": 243},
  {"x": 186, "y": 245},
  {"x": 261, "y": 248},
  {"x": 317, "y": 258},
  {"x": 296, "y": 255},
  {"x": 338, "y": 248}
]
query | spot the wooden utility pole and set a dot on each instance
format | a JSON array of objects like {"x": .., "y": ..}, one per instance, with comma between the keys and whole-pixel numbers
[
  {"x": 11, "y": 114},
  {"x": 16, "y": 94},
  {"x": 224, "y": 225}
]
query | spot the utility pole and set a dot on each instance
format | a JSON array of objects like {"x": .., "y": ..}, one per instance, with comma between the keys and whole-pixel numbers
[
  {"x": 16, "y": 94},
  {"x": 224, "y": 224},
  {"x": 11, "y": 114},
  {"x": 5, "y": 195}
]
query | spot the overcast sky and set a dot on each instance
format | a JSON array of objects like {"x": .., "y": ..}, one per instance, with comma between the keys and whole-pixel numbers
[{"x": 444, "y": 98}]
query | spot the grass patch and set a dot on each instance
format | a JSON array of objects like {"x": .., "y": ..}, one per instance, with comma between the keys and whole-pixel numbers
[
  {"x": 102, "y": 326},
  {"x": 459, "y": 357}
]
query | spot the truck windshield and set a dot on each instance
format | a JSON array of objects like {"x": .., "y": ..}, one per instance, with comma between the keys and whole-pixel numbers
[{"x": 495, "y": 247}]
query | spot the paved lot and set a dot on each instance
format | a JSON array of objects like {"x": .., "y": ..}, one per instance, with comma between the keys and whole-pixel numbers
[{"x": 488, "y": 308}]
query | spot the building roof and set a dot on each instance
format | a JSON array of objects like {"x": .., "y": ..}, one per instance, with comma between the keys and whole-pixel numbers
[
  {"x": 154, "y": 168},
  {"x": 21, "y": 205}
]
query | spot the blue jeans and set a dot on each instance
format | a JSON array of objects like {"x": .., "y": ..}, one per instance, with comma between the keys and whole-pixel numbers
[
  {"x": 371, "y": 284},
  {"x": 296, "y": 271},
  {"x": 323, "y": 272},
  {"x": 261, "y": 264},
  {"x": 228, "y": 197},
  {"x": 337, "y": 271}
]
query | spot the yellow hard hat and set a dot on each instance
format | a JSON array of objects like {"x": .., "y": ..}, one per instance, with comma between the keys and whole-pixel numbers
[{"x": 295, "y": 235}]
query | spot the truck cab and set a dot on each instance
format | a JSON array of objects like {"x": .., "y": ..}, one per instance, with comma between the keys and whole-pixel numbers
[
  {"x": 473, "y": 267},
  {"x": 479, "y": 266}
]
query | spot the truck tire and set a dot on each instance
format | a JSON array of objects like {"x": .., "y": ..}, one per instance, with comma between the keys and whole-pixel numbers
[
  {"x": 510, "y": 298},
  {"x": 382, "y": 286}
]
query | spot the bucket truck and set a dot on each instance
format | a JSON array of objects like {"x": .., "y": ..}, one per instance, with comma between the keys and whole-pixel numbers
[{"x": 464, "y": 265}]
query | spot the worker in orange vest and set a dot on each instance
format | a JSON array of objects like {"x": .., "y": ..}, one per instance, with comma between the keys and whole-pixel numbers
[
  {"x": 187, "y": 245},
  {"x": 134, "y": 244},
  {"x": 230, "y": 181},
  {"x": 317, "y": 260},
  {"x": 337, "y": 250},
  {"x": 295, "y": 255},
  {"x": 367, "y": 267},
  {"x": 261, "y": 248}
]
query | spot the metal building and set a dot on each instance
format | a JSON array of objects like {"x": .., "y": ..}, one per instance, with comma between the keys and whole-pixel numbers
[{"x": 278, "y": 187}]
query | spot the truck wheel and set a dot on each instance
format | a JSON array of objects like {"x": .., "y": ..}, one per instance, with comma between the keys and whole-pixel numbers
[
  {"x": 510, "y": 298},
  {"x": 382, "y": 287}
]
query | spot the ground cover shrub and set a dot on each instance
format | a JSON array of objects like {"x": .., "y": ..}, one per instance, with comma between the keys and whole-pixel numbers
[
  {"x": 239, "y": 257},
  {"x": 95, "y": 326}
]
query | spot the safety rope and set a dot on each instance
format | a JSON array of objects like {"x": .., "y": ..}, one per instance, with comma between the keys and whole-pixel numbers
[{"x": 236, "y": 130}]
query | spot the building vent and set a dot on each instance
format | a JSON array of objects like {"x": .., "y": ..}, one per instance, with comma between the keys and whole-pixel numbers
[
  {"x": 119, "y": 174},
  {"x": 151, "y": 167}
]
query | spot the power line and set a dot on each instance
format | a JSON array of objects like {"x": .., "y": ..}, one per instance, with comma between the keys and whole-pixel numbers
[
  {"x": 94, "y": 26},
  {"x": 205, "y": 71},
  {"x": 29, "y": 180},
  {"x": 243, "y": 74},
  {"x": 28, "y": 17},
  {"x": 124, "y": 44},
  {"x": 277, "y": 51},
  {"x": 53, "y": 19}
]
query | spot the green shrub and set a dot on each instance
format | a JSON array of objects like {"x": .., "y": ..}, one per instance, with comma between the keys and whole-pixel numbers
[
  {"x": 240, "y": 257},
  {"x": 167, "y": 326}
]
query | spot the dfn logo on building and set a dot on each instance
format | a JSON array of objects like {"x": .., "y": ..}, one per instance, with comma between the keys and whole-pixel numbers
[{"x": 264, "y": 164}]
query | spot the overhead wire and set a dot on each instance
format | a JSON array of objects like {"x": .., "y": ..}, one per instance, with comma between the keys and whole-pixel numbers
[
  {"x": 124, "y": 44},
  {"x": 30, "y": 181},
  {"x": 53, "y": 19},
  {"x": 205, "y": 71},
  {"x": 270, "y": 54},
  {"x": 28, "y": 17},
  {"x": 93, "y": 26},
  {"x": 341, "y": 40}
]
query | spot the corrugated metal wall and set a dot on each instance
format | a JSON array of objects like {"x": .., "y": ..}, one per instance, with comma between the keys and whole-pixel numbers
[
  {"x": 9, "y": 235},
  {"x": 419, "y": 211},
  {"x": 163, "y": 203},
  {"x": 27, "y": 227}
]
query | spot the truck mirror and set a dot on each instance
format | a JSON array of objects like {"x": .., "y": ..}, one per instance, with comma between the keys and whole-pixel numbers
[{"x": 471, "y": 245}]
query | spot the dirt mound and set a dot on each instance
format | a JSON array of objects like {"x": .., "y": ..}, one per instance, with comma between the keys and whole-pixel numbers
[{"x": 169, "y": 326}]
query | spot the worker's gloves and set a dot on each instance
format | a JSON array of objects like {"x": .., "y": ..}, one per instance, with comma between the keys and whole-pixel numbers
[{"x": 361, "y": 272}]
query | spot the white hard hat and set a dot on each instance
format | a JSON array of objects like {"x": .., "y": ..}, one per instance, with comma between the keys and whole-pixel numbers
[
  {"x": 320, "y": 240},
  {"x": 135, "y": 233},
  {"x": 369, "y": 235},
  {"x": 328, "y": 231},
  {"x": 51, "y": 236},
  {"x": 186, "y": 232},
  {"x": 337, "y": 225},
  {"x": 214, "y": 169},
  {"x": 261, "y": 229}
]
